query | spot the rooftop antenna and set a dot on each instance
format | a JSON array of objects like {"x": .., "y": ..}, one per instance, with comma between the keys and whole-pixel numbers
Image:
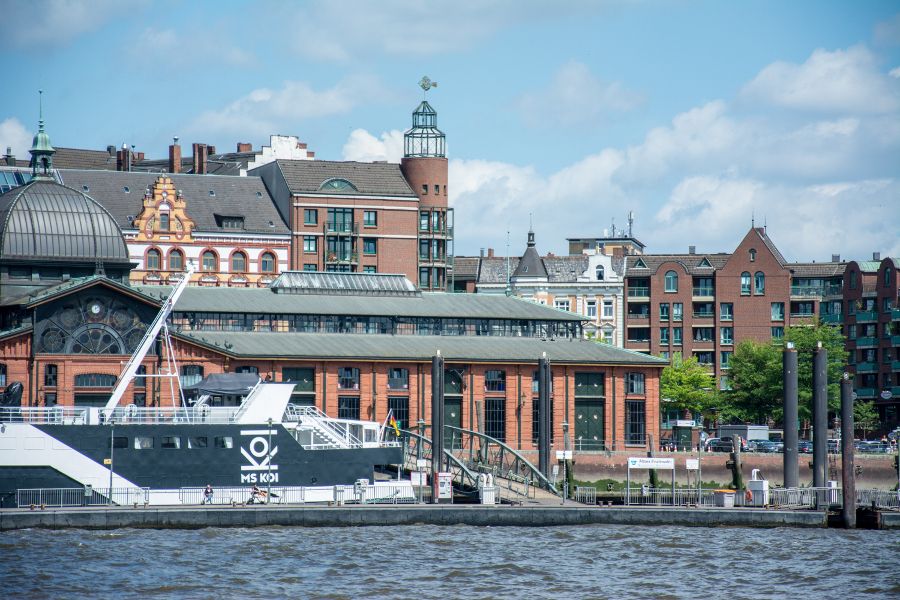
[
  {"x": 613, "y": 227},
  {"x": 41, "y": 106},
  {"x": 508, "y": 290},
  {"x": 630, "y": 221},
  {"x": 765, "y": 222},
  {"x": 426, "y": 84},
  {"x": 753, "y": 219}
]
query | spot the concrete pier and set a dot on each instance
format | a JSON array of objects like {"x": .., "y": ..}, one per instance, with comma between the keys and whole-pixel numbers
[{"x": 355, "y": 516}]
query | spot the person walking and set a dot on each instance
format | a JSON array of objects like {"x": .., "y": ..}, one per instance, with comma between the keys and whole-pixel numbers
[{"x": 207, "y": 494}]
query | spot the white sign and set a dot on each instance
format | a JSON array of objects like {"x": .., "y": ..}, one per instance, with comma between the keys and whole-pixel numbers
[
  {"x": 684, "y": 423},
  {"x": 563, "y": 455},
  {"x": 646, "y": 462},
  {"x": 692, "y": 464},
  {"x": 421, "y": 463},
  {"x": 418, "y": 478}
]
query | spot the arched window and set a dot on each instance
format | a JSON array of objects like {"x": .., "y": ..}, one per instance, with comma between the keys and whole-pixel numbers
[
  {"x": 153, "y": 257},
  {"x": 238, "y": 262},
  {"x": 752, "y": 255},
  {"x": 176, "y": 260},
  {"x": 671, "y": 281},
  {"x": 267, "y": 263},
  {"x": 745, "y": 283},
  {"x": 163, "y": 221},
  {"x": 759, "y": 283},
  {"x": 600, "y": 272},
  {"x": 210, "y": 262}
]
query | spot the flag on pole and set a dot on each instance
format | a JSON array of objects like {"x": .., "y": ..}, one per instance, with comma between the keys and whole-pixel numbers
[{"x": 394, "y": 424}]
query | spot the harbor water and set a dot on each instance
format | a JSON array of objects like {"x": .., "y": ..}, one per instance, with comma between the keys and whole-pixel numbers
[{"x": 589, "y": 561}]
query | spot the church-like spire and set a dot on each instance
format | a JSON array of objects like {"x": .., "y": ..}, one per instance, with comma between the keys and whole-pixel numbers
[
  {"x": 424, "y": 139},
  {"x": 41, "y": 149}
]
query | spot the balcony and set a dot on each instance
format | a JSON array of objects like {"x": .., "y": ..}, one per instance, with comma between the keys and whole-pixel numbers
[
  {"x": 341, "y": 228},
  {"x": 833, "y": 319},
  {"x": 342, "y": 258},
  {"x": 867, "y": 367},
  {"x": 833, "y": 289},
  {"x": 866, "y": 315},
  {"x": 865, "y": 392},
  {"x": 801, "y": 315},
  {"x": 895, "y": 340},
  {"x": 807, "y": 291},
  {"x": 895, "y": 391},
  {"x": 638, "y": 316},
  {"x": 895, "y": 366},
  {"x": 436, "y": 232},
  {"x": 895, "y": 314},
  {"x": 866, "y": 342},
  {"x": 706, "y": 315},
  {"x": 639, "y": 292},
  {"x": 704, "y": 292}
]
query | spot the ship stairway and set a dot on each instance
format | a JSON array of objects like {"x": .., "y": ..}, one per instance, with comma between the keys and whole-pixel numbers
[
  {"x": 317, "y": 430},
  {"x": 469, "y": 453}
]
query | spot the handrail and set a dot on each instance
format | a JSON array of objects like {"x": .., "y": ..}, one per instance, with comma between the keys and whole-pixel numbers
[
  {"x": 465, "y": 475},
  {"x": 329, "y": 426}
]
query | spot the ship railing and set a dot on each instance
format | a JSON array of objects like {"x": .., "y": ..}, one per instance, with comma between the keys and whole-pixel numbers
[
  {"x": 340, "y": 431},
  {"x": 45, "y": 415},
  {"x": 131, "y": 414},
  {"x": 82, "y": 496}
]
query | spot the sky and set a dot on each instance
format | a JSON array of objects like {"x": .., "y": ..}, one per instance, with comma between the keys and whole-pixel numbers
[{"x": 701, "y": 117}]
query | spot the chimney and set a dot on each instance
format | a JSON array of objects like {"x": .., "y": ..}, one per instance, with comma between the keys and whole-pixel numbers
[
  {"x": 8, "y": 158},
  {"x": 835, "y": 258},
  {"x": 210, "y": 150},
  {"x": 138, "y": 156},
  {"x": 244, "y": 147},
  {"x": 876, "y": 256},
  {"x": 175, "y": 156},
  {"x": 692, "y": 249},
  {"x": 482, "y": 253},
  {"x": 111, "y": 150},
  {"x": 123, "y": 159},
  {"x": 199, "y": 156},
  {"x": 490, "y": 253}
]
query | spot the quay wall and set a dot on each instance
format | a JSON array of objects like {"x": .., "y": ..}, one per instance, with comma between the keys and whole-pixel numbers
[
  {"x": 874, "y": 470},
  {"x": 350, "y": 516}
]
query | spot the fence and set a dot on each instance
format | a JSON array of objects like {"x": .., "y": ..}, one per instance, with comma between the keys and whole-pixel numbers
[
  {"x": 83, "y": 496},
  {"x": 586, "y": 495}
]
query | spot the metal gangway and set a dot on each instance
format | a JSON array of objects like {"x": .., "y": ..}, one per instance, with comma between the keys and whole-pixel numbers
[{"x": 470, "y": 453}]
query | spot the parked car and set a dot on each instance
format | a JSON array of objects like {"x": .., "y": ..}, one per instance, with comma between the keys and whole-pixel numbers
[
  {"x": 805, "y": 447},
  {"x": 721, "y": 445},
  {"x": 709, "y": 442},
  {"x": 875, "y": 448},
  {"x": 766, "y": 446}
]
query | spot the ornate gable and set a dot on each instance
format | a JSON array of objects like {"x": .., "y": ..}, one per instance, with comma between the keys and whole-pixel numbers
[{"x": 164, "y": 214}]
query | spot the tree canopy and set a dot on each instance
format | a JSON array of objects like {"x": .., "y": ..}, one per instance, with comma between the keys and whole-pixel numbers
[{"x": 688, "y": 385}]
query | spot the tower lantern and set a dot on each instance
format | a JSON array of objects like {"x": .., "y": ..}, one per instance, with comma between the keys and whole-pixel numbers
[{"x": 424, "y": 139}]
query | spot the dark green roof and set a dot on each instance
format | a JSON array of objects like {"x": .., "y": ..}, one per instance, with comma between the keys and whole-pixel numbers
[
  {"x": 321, "y": 346},
  {"x": 264, "y": 300}
]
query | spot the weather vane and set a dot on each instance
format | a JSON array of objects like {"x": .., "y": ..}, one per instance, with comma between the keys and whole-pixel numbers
[{"x": 426, "y": 84}]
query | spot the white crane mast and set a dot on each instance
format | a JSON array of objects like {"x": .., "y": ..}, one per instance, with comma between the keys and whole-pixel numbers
[{"x": 140, "y": 352}]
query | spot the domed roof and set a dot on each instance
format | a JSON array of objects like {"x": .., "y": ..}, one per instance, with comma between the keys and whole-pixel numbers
[{"x": 45, "y": 220}]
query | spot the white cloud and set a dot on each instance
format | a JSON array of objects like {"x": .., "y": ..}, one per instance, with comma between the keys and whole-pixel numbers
[
  {"x": 57, "y": 22},
  {"x": 14, "y": 135},
  {"x": 839, "y": 81},
  {"x": 265, "y": 110},
  {"x": 166, "y": 46},
  {"x": 576, "y": 97},
  {"x": 364, "y": 147}
]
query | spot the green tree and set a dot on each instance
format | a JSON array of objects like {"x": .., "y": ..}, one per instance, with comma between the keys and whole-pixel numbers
[
  {"x": 688, "y": 385},
  {"x": 756, "y": 383},
  {"x": 805, "y": 339},
  {"x": 865, "y": 417}
]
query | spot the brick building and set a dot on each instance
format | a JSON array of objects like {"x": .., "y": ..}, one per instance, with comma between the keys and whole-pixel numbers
[
  {"x": 371, "y": 217},
  {"x": 871, "y": 294}
]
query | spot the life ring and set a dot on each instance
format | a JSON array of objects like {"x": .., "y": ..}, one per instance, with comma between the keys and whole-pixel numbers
[{"x": 748, "y": 497}]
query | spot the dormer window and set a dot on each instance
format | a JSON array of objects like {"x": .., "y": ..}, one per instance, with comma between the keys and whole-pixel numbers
[
  {"x": 600, "y": 272},
  {"x": 232, "y": 222},
  {"x": 337, "y": 185},
  {"x": 164, "y": 221}
]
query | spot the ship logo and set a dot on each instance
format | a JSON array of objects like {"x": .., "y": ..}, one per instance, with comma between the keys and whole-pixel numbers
[{"x": 259, "y": 452}]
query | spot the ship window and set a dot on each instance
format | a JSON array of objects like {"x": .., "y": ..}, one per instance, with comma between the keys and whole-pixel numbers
[
  {"x": 120, "y": 442},
  {"x": 197, "y": 442},
  {"x": 143, "y": 443},
  {"x": 225, "y": 441},
  {"x": 171, "y": 442}
]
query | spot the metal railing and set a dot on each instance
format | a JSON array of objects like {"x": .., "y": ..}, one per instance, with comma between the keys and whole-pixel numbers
[
  {"x": 704, "y": 291},
  {"x": 338, "y": 430},
  {"x": 375, "y": 493},
  {"x": 638, "y": 292},
  {"x": 131, "y": 414},
  {"x": 585, "y": 494},
  {"x": 82, "y": 496},
  {"x": 416, "y": 446}
]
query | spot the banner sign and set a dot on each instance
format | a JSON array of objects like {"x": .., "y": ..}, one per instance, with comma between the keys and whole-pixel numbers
[{"x": 646, "y": 462}]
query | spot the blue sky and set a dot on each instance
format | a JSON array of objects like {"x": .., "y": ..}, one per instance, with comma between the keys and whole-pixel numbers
[{"x": 695, "y": 115}]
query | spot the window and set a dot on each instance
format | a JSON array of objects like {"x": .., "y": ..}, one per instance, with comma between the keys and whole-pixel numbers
[
  {"x": 399, "y": 408},
  {"x": 369, "y": 269},
  {"x": 226, "y": 442},
  {"x": 176, "y": 260},
  {"x": 634, "y": 383},
  {"x": 703, "y": 334},
  {"x": 209, "y": 262},
  {"x": 705, "y": 358},
  {"x": 142, "y": 442},
  {"x": 726, "y": 335},
  {"x": 495, "y": 418},
  {"x": 676, "y": 336},
  {"x": 348, "y": 378},
  {"x": 238, "y": 262},
  {"x": 119, "y": 442},
  {"x": 95, "y": 380},
  {"x": 677, "y": 311},
  {"x": 778, "y": 311},
  {"x": 592, "y": 385},
  {"x": 495, "y": 381},
  {"x": 759, "y": 281},
  {"x": 725, "y": 362},
  {"x": 247, "y": 369},
  {"x": 191, "y": 375},
  {"x": 303, "y": 378},
  {"x": 198, "y": 442},
  {"x": 635, "y": 418},
  {"x": 310, "y": 216},
  {"x": 591, "y": 308},
  {"x": 348, "y": 407},
  {"x": 170, "y": 442},
  {"x": 267, "y": 262},
  {"x": 310, "y": 267},
  {"x": 671, "y": 281},
  {"x": 599, "y": 272},
  {"x": 153, "y": 259},
  {"x": 370, "y": 218},
  {"x": 777, "y": 333},
  {"x": 424, "y": 277},
  {"x": 726, "y": 311},
  {"x": 50, "y": 375},
  {"x": 369, "y": 246},
  {"x": 664, "y": 335},
  {"x": 852, "y": 280},
  {"x": 752, "y": 255},
  {"x": 887, "y": 277},
  {"x": 561, "y": 304},
  {"x": 607, "y": 309},
  {"x": 664, "y": 311},
  {"x": 309, "y": 243},
  {"x": 423, "y": 221},
  {"x": 232, "y": 222},
  {"x": 398, "y": 379},
  {"x": 851, "y": 332},
  {"x": 424, "y": 188},
  {"x": 163, "y": 221},
  {"x": 745, "y": 283}
]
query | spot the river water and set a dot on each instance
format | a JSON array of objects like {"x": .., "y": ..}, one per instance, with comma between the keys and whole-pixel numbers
[{"x": 587, "y": 561}]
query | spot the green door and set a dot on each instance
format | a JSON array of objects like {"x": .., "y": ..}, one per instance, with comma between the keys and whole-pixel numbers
[
  {"x": 452, "y": 417},
  {"x": 589, "y": 426}
]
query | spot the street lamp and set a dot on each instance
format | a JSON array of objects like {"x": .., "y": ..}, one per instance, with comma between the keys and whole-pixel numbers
[
  {"x": 112, "y": 434},
  {"x": 269, "y": 477}
]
